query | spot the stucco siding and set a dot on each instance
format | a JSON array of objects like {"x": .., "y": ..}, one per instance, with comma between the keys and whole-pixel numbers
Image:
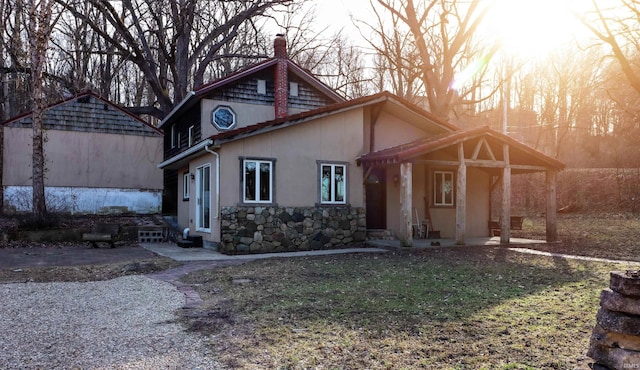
[
  {"x": 390, "y": 131},
  {"x": 477, "y": 215},
  {"x": 85, "y": 159},
  {"x": 296, "y": 150},
  {"x": 478, "y": 203},
  {"x": 246, "y": 114}
]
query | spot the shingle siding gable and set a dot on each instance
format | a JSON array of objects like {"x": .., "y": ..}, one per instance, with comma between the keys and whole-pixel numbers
[
  {"x": 89, "y": 114},
  {"x": 246, "y": 91}
]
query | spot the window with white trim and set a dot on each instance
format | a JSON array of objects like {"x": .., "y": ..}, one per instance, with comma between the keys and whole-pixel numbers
[
  {"x": 443, "y": 188},
  {"x": 186, "y": 177},
  {"x": 333, "y": 183},
  {"x": 191, "y": 137},
  {"x": 257, "y": 180},
  {"x": 173, "y": 136}
]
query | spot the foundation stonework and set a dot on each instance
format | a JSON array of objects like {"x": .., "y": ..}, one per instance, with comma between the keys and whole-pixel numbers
[{"x": 247, "y": 230}]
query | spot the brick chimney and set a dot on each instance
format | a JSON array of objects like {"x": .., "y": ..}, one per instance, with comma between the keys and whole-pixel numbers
[{"x": 281, "y": 80}]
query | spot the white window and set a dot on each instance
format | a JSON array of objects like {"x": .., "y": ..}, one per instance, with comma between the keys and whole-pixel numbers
[
  {"x": 173, "y": 136},
  {"x": 191, "y": 138},
  {"x": 293, "y": 89},
  {"x": 333, "y": 183},
  {"x": 257, "y": 181},
  {"x": 443, "y": 188},
  {"x": 203, "y": 198},
  {"x": 186, "y": 177},
  {"x": 262, "y": 87}
]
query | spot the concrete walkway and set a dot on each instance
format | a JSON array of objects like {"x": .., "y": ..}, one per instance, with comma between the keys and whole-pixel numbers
[
  {"x": 469, "y": 242},
  {"x": 571, "y": 257},
  {"x": 203, "y": 254}
]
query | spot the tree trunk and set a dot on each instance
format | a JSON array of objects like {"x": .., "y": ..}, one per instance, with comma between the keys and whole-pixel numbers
[{"x": 40, "y": 18}]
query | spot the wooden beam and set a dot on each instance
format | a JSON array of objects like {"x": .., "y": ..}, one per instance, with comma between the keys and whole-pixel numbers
[
  {"x": 406, "y": 206},
  {"x": 483, "y": 143},
  {"x": 366, "y": 174},
  {"x": 481, "y": 163},
  {"x": 505, "y": 224},
  {"x": 461, "y": 197},
  {"x": 552, "y": 216}
]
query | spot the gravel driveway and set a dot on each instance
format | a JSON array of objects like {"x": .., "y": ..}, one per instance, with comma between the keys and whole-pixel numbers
[{"x": 125, "y": 323}]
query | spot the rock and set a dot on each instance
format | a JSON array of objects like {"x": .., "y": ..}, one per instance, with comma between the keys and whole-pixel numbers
[
  {"x": 614, "y": 301},
  {"x": 139, "y": 267},
  {"x": 625, "y": 283},
  {"x": 618, "y": 322},
  {"x": 614, "y": 358},
  {"x": 614, "y": 340}
]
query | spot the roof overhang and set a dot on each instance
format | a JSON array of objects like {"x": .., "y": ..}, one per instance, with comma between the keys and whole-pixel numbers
[
  {"x": 385, "y": 99},
  {"x": 482, "y": 147},
  {"x": 183, "y": 158}
]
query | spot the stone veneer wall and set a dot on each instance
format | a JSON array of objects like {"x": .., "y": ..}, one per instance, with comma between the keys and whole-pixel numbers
[{"x": 280, "y": 229}]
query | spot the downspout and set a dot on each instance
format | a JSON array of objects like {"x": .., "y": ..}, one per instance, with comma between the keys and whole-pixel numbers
[{"x": 217, "y": 211}]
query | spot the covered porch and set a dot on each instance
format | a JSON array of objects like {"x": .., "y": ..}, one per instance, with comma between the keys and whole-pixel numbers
[{"x": 453, "y": 175}]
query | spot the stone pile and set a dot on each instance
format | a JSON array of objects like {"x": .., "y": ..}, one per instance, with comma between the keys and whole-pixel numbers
[{"x": 615, "y": 341}]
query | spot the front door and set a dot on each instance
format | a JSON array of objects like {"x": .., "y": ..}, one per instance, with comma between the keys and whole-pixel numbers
[
  {"x": 376, "y": 195},
  {"x": 203, "y": 198}
]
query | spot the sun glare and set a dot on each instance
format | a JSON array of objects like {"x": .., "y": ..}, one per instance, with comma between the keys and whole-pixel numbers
[{"x": 532, "y": 28}]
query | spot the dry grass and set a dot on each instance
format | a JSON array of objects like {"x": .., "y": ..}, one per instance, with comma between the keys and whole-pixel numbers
[{"x": 440, "y": 308}]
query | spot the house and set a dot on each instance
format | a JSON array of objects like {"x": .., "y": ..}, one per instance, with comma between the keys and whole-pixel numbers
[
  {"x": 99, "y": 158},
  {"x": 270, "y": 159}
]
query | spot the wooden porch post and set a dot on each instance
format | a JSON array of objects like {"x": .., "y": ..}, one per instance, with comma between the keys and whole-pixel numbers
[
  {"x": 406, "y": 206},
  {"x": 552, "y": 216},
  {"x": 505, "y": 225},
  {"x": 461, "y": 197}
]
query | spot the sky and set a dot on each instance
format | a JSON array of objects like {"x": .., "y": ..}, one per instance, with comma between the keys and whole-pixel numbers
[{"x": 524, "y": 27}]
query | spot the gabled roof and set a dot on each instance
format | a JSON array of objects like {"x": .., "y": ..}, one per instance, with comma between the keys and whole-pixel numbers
[
  {"x": 198, "y": 93},
  {"x": 521, "y": 153},
  {"x": 88, "y": 112},
  {"x": 383, "y": 97}
]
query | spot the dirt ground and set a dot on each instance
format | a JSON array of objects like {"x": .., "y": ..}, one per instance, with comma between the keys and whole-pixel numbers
[{"x": 48, "y": 261}]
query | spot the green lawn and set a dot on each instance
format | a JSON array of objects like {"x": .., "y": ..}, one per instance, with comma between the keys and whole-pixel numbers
[{"x": 439, "y": 308}]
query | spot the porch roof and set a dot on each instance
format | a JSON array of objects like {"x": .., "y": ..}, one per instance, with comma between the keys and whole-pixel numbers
[{"x": 483, "y": 148}]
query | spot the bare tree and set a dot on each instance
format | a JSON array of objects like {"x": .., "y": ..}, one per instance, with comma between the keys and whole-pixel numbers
[
  {"x": 174, "y": 44},
  {"x": 395, "y": 55},
  {"x": 442, "y": 37},
  {"x": 618, "y": 26},
  {"x": 39, "y": 27}
]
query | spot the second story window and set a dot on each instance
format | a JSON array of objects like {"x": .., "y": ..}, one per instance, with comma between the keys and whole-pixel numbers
[{"x": 223, "y": 118}]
